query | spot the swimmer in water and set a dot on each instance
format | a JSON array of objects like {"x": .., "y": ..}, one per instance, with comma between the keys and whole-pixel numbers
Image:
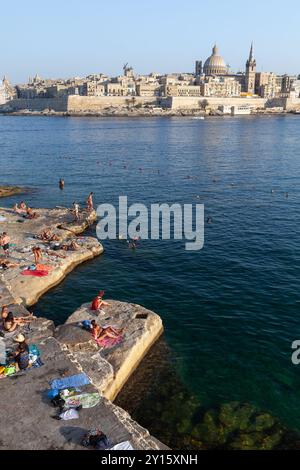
[{"x": 61, "y": 183}]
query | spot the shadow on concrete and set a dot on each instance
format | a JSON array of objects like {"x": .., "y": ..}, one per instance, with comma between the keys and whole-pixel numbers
[{"x": 73, "y": 434}]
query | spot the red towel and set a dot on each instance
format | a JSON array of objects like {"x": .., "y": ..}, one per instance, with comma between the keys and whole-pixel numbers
[{"x": 35, "y": 272}]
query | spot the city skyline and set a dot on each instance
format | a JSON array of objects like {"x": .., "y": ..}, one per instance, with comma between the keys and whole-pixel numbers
[{"x": 152, "y": 38}]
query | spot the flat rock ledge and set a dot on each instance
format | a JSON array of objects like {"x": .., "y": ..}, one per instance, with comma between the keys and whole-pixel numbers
[
  {"x": 109, "y": 369},
  {"x": 6, "y": 191},
  {"x": 28, "y": 289},
  {"x": 68, "y": 350}
]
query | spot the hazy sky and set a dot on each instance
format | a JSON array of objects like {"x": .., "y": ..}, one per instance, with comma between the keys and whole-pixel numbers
[{"x": 79, "y": 37}]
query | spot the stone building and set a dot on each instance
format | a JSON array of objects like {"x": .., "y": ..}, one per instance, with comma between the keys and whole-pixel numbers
[{"x": 220, "y": 87}]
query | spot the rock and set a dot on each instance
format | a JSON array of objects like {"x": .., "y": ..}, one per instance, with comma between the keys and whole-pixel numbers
[
  {"x": 75, "y": 338},
  {"x": 142, "y": 328}
]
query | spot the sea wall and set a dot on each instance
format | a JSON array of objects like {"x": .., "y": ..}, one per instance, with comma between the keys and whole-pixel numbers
[
  {"x": 37, "y": 104},
  {"x": 180, "y": 102},
  {"x": 85, "y": 104}
]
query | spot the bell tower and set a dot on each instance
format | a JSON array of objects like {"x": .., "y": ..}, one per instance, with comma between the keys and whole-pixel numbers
[{"x": 250, "y": 73}]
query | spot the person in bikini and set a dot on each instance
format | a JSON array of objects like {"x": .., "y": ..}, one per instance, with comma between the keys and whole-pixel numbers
[{"x": 100, "y": 333}]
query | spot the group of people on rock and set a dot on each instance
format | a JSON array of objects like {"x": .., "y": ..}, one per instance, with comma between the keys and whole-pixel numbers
[{"x": 25, "y": 210}]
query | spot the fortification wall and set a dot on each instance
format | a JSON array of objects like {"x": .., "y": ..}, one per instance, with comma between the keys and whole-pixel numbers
[
  {"x": 79, "y": 104},
  {"x": 38, "y": 104},
  {"x": 179, "y": 102}
]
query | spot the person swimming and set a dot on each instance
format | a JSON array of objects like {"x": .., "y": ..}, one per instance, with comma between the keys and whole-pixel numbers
[{"x": 61, "y": 183}]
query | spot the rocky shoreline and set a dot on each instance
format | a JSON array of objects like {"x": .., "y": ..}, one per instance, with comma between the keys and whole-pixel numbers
[
  {"x": 6, "y": 191},
  {"x": 67, "y": 349},
  {"x": 144, "y": 112}
]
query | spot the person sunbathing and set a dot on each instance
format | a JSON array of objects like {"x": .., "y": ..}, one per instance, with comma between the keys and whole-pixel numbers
[
  {"x": 72, "y": 246},
  {"x": 100, "y": 333},
  {"x": 21, "y": 209},
  {"x": 30, "y": 214},
  {"x": 10, "y": 322},
  {"x": 5, "y": 264},
  {"x": 98, "y": 302},
  {"x": 47, "y": 235}
]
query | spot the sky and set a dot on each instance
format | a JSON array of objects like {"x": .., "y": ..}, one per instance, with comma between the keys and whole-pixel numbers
[{"x": 66, "y": 38}]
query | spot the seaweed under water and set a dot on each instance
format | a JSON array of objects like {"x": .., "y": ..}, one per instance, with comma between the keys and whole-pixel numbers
[{"x": 157, "y": 399}]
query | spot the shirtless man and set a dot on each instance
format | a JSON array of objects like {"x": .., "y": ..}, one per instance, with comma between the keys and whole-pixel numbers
[
  {"x": 37, "y": 254},
  {"x": 90, "y": 205},
  {"x": 4, "y": 242}
]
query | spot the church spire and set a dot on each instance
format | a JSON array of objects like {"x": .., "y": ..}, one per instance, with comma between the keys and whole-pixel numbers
[{"x": 251, "y": 52}]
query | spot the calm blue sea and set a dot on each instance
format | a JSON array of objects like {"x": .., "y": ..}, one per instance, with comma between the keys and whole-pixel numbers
[{"x": 232, "y": 310}]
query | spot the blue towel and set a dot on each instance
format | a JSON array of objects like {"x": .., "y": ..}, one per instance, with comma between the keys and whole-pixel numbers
[{"x": 71, "y": 381}]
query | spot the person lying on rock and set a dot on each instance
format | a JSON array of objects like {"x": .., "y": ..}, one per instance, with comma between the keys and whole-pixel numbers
[
  {"x": 47, "y": 235},
  {"x": 30, "y": 214},
  {"x": 5, "y": 264},
  {"x": 107, "y": 332},
  {"x": 98, "y": 301},
  {"x": 72, "y": 246}
]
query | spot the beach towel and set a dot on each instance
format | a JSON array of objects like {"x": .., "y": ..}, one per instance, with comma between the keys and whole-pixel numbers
[
  {"x": 122, "y": 446},
  {"x": 109, "y": 342},
  {"x": 86, "y": 400},
  {"x": 36, "y": 272},
  {"x": 44, "y": 267},
  {"x": 72, "y": 381}
]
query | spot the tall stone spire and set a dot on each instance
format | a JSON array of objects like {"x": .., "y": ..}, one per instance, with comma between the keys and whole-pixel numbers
[{"x": 250, "y": 73}]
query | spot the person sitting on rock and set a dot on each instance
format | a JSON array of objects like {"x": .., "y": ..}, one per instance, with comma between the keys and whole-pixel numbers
[
  {"x": 10, "y": 323},
  {"x": 98, "y": 302},
  {"x": 21, "y": 209},
  {"x": 22, "y": 353}
]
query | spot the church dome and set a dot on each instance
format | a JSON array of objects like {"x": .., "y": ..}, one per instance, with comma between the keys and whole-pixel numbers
[{"x": 215, "y": 64}]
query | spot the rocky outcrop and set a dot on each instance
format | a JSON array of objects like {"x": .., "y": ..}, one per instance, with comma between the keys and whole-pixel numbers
[
  {"x": 6, "y": 191},
  {"x": 23, "y": 232},
  {"x": 65, "y": 351},
  {"x": 110, "y": 368}
]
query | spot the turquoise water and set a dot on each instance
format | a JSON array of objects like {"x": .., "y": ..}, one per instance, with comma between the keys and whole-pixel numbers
[{"x": 231, "y": 310}]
